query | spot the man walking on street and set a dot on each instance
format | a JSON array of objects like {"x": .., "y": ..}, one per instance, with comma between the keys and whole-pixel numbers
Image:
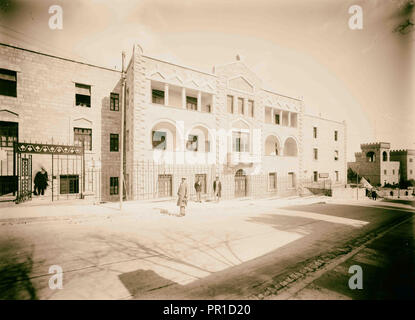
[
  {"x": 183, "y": 196},
  {"x": 198, "y": 188},
  {"x": 217, "y": 189}
]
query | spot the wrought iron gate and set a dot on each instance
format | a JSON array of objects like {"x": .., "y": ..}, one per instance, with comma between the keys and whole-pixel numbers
[{"x": 24, "y": 169}]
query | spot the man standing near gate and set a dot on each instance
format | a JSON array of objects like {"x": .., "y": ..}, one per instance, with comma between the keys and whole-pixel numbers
[
  {"x": 217, "y": 189},
  {"x": 41, "y": 182},
  {"x": 198, "y": 188},
  {"x": 183, "y": 194}
]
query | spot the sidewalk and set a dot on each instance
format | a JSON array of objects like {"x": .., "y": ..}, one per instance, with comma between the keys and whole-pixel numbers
[{"x": 144, "y": 208}]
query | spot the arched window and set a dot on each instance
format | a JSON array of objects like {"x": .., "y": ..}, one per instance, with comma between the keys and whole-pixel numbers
[
  {"x": 371, "y": 156},
  {"x": 272, "y": 147},
  {"x": 385, "y": 156},
  {"x": 163, "y": 136},
  {"x": 290, "y": 147}
]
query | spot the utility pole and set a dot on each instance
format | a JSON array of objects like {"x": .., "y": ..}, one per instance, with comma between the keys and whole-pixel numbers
[
  {"x": 357, "y": 183},
  {"x": 121, "y": 182}
]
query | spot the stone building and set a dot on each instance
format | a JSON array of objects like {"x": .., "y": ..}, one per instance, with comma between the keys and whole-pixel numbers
[
  {"x": 179, "y": 122},
  {"x": 52, "y": 100},
  {"x": 406, "y": 159},
  {"x": 375, "y": 163},
  {"x": 325, "y": 155}
]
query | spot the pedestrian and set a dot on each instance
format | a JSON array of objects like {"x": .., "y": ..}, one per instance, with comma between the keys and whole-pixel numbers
[
  {"x": 198, "y": 188},
  {"x": 217, "y": 189},
  {"x": 374, "y": 195},
  {"x": 183, "y": 194},
  {"x": 41, "y": 182}
]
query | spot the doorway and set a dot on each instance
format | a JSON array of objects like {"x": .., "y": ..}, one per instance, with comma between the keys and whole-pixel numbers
[{"x": 240, "y": 184}]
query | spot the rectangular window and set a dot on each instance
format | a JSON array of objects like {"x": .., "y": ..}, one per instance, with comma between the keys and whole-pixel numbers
[
  {"x": 113, "y": 185},
  {"x": 277, "y": 118},
  {"x": 82, "y": 95},
  {"x": 82, "y": 136},
  {"x": 384, "y": 172},
  {"x": 315, "y": 153},
  {"x": 191, "y": 143},
  {"x": 291, "y": 179},
  {"x": 315, "y": 176},
  {"x": 410, "y": 171},
  {"x": 157, "y": 96},
  {"x": 241, "y": 106},
  {"x": 229, "y": 103},
  {"x": 240, "y": 141},
  {"x": 272, "y": 180},
  {"x": 393, "y": 171},
  {"x": 315, "y": 132},
  {"x": 410, "y": 159},
  {"x": 251, "y": 108},
  {"x": 114, "y": 101},
  {"x": 191, "y": 103},
  {"x": 337, "y": 175},
  {"x": 335, "y": 135},
  {"x": 113, "y": 142},
  {"x": 8, "y": 83},
  {"x": 159, "y": 140},
  {"x": 202, "y": 178},
  {"x": 8, "y": 133},
  {"x": 336, "y": 155},
  {"x": 69, "y": 184}
]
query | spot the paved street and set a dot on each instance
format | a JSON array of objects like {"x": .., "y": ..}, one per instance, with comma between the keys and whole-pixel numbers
[{"x": 234, "y": 249}]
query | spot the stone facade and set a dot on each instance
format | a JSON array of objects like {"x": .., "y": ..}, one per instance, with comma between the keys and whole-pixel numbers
[
  {"x": 276, "y": 122},
  {"x": 406, "y": 159},
  {"x": 330, "y": 145},
  {"x": 375, "y": 164},
  {"x": 45, "y": 108}
]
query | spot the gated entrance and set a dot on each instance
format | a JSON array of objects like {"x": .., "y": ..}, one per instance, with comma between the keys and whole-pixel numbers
[
  {"x": 67, "y": 160},
  {"x": 240, "y": 184}
]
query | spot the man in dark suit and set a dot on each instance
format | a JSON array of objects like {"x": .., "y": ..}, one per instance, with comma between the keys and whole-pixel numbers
[
  {"x": 217, "y": 189},
  {"x": 198, "y": 188}
]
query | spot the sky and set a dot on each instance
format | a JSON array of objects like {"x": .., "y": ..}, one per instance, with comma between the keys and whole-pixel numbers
[{"x": 300, "y": 48}]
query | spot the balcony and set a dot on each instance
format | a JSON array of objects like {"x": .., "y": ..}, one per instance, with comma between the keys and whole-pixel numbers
[{"x": 235, "y": 158}]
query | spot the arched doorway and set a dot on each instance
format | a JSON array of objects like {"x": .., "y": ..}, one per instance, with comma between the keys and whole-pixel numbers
[{"x": 240, "y": 184}]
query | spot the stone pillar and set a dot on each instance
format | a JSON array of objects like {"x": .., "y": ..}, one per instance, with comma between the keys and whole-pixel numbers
[
  {"x": 280, "y": 117},
  {"x": 199, "y": 101},
  {"x": 166, "y": 94},
  {"x": 245, "y": 111},
  {"x": 184, "y": 98},
  {"x": 289, "y": 118}
]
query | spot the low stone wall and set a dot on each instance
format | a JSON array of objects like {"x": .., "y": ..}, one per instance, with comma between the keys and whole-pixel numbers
[{"x": 348, "y": 193}]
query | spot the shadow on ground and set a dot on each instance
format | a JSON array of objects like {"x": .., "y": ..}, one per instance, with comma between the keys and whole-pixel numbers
[{"x": 16, "y": 262}]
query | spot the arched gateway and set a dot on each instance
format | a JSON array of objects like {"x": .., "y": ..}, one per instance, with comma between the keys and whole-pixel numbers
[{"x": 240, "y": 183}]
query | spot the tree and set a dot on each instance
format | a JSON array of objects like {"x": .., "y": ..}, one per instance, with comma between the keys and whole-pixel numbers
[{"x": 351, "y": 175}]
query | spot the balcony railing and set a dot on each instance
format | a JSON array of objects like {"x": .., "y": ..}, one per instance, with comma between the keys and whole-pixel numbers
[{"x": 235, "y": 158}]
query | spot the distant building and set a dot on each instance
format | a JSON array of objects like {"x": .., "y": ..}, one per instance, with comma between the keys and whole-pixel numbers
[
  {"x": 406, "y": 159},
  {"x": 375, "y": 164}
]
